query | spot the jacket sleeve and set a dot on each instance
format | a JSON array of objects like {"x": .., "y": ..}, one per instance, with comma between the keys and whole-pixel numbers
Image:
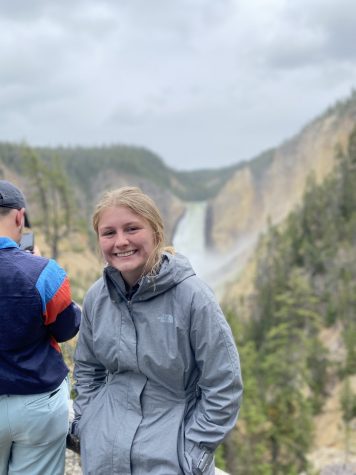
[
  {"x": 219, "y": 385},
  {"x": 61, "y": 315},
  {"x": 89, "y": 374}
]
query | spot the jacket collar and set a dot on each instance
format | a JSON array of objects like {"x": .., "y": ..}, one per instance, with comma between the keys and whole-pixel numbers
[
  {"x": 174, "y": 269},
  {"x": 6, "y": 242}
]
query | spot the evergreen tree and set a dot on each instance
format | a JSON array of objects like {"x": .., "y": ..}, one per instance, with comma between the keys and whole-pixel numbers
[
  {"x": 51, "y": 188},
  {"x": 305, "y": 279}
]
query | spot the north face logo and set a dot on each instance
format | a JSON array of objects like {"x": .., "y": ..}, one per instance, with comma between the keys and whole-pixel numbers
[{"x": 166, "y": 318}]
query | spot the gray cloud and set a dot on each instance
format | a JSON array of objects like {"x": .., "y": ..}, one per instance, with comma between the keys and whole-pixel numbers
[
  {"x": 200, "y": 82},
  {"x": 315, "y": 34}
]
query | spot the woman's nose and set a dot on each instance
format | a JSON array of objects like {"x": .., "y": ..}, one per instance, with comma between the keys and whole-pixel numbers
[{"x": 121, "y": 240}]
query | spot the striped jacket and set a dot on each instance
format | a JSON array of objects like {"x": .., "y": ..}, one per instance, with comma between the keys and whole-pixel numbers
[{"x": 36, "y": 313}]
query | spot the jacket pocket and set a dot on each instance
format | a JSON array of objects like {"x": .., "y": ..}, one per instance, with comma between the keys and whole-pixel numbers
[
  {"x": 200, "y": 460},
  {"x": 91, "y": 409}
]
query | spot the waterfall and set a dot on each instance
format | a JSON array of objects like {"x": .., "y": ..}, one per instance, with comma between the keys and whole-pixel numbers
[
  {"x": 214, "y": 268},
  {"x": 189, "y": 238}
]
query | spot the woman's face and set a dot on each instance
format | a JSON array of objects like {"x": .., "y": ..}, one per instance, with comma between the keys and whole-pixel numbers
[{"x": 126, "y": 241}]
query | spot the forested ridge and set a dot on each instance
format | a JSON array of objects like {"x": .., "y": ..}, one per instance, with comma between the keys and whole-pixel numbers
[
  {"x": 305, "y": 281},
  {"x": 63, "y": 183},
  {"x": 83, "y": 165}
]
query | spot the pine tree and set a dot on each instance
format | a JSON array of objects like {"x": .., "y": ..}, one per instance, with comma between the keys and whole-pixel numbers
[{"x": 52, "y": 191}]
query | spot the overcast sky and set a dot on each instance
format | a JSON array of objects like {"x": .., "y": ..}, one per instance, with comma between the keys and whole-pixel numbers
[{"x": 202, "y": 83}]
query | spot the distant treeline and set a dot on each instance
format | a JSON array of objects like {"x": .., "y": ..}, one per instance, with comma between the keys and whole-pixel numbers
[{"x": 83, "y": 164}]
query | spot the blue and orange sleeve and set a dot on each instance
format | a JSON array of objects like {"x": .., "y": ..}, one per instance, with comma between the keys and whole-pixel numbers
[{"x": 60, "y": 313}]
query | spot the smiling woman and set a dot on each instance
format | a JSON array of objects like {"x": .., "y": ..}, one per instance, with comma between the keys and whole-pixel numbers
[
  {"x": 129, "y": 225},
  {"x": 156, "y": 367},
  {"x": 126, "y": 241}
]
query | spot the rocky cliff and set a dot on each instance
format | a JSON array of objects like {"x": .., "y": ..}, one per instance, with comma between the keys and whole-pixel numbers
[{"x": 268, "y": 187}]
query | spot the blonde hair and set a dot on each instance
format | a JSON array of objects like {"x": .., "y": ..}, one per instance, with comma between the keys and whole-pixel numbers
[{"x": 142, "y": 205}]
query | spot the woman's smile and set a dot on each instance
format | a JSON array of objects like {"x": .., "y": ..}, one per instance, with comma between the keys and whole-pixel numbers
[{"x": 124, "y": 254}]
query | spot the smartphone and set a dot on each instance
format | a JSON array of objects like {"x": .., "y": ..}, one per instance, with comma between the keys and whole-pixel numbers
[{"x": 27, "y": 242}]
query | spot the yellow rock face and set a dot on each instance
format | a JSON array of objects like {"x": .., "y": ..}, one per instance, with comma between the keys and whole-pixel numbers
[{"x": 249, "y": 199}]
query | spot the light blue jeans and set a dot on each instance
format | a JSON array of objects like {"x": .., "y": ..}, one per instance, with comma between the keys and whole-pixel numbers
[{"x": 33, "y": 431}]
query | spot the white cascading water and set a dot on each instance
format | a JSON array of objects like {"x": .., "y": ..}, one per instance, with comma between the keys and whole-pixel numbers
[{"x": 189, "y": 239}]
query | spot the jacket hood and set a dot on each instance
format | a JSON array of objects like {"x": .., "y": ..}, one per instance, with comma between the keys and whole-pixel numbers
[{"x": 174, "y": 269}]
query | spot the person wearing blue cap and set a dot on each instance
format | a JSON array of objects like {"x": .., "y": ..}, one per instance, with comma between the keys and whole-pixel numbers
[{"x": 36, "y": 314}]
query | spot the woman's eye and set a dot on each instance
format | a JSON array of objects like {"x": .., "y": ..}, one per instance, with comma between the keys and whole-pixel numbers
[
  {"x": 132, "y": 229},
  {"x": 107, "y": 233}
]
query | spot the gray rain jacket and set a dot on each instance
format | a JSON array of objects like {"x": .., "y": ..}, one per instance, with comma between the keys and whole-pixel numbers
[{"x": 158, "y": 376}]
